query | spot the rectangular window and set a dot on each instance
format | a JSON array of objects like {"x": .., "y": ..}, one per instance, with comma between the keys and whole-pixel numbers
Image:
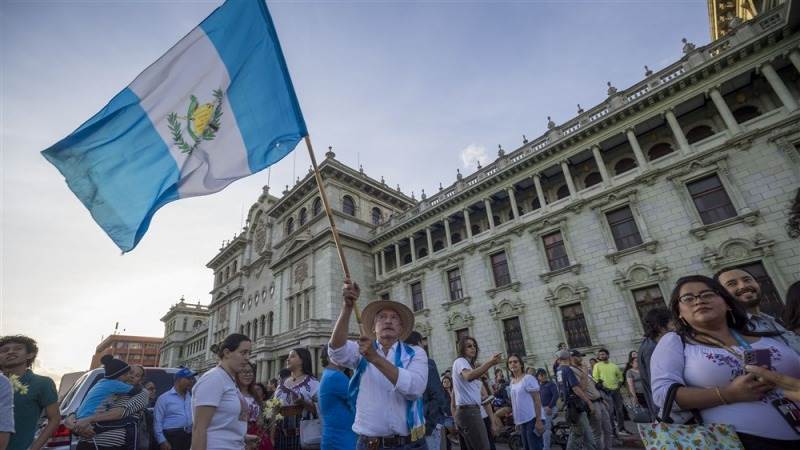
[
  {"x": 648, "y": 298},
  {"x": 291, "y": 314},
  {"x": 623, "y": 228},
  {"x": 711, "y": 200},
  {"x": 575, "y": 326},
  {"x": 454, "y": 284},
  {"x": 307, "y": 309},
  {"x": 500, "y": 269},
  {"x": 135, "y": 345},
  {"x": 416, "y": 296},
  {"x": 556, "y": 251},
  {"x": 462, "y": 333},
  {"x": 512, "y": 333}
]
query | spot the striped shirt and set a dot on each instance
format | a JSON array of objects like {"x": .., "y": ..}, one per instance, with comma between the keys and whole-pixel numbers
[{"x": 113, "y": 433}]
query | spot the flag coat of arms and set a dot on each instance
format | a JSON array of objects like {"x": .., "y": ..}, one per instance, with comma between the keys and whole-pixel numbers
[{"x": 218, "y": 106}]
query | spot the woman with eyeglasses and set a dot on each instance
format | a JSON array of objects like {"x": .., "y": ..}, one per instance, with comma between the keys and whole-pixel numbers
[{"x": 706, "y": 358}]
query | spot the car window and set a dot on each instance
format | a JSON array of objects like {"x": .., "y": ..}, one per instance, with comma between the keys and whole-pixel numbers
[{"x": 161, "y": 378}]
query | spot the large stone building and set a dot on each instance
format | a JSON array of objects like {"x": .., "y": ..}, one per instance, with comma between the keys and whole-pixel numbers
[
  {"x": 571, "y": 237},
  {"x": 140, "y": 350},
  {"x": 185, "y": 335}
]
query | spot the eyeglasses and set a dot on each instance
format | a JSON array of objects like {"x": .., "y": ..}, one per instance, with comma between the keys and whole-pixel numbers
[{"x": 705, "y": 296}]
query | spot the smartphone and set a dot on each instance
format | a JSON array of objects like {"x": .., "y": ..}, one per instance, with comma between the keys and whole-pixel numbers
[{"x": 760, "y": 357}]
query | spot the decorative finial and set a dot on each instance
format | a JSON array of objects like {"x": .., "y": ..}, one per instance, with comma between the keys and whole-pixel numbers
[
  {"x": 524, "y": 139},
  {"x": 500, "y": 151},
  {"x": 286, "y": 190},
  {"x": 297, "y": 181},
  {"x": 398, "y": 187},
  {"x": 687, "y": 46},
  {"x": 440, "y": 186},
  {"x": 361, "y": 168},
  {"x": 458, "y": 175},
  {"x": 183, "y": 300},
  {"x": 479, "y": 165},
  {"x": 423, "y": 196},
  {"x": 329, "y": 154},
  {"x": 265, "y": 189},
  {"x": 550, "y": 123},
  {"x": 310, "y": 169},
  {"x": 647, "y": 71},
  {"x": 412, "y": 195},
  {"x": 611, "y": 89},
  {"x": 382, "y": 180},
  {"x": 580, "y": 110}
]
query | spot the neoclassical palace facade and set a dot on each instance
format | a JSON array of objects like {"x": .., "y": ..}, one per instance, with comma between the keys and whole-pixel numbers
[{"x": 571, "y": 237}]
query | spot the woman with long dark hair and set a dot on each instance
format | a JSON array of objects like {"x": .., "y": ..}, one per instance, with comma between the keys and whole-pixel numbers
[
  {"x": 297, "y": 392},
  {"x": 791, "y": 313},
  {"x": 219, "y": 408},
  {"x": 526, "y": 404},
  {"x": 467, "y": 389},
  {"x": 705, "y": 357}
]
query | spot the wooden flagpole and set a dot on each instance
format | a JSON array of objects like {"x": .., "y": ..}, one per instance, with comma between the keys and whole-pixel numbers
[{"x": 334, "y": 230}]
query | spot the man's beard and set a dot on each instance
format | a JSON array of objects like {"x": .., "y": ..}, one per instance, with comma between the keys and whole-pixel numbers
[{"x": 748, "y": 303}]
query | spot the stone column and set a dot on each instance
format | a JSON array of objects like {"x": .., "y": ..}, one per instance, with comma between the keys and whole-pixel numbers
[
  {"x": 397, "y": 255},
  {"x": 724, "y": 111},
  {"x": 412, "y": 249},
  {"x": 430, "y": 240},
  {"x": 637, "y": 150},
  {"x": 537, "y": 182},
  {"x": 601, "y": 165},
  {"x": 467, "y": 223},
  {"x": 512, "y": 198},
  {"x": 568, "y": 178},
  {"x": 376, "y": 262},
  {"x": 779, "y": 86},
  {"x": 447, "y": 232},
  {"x": 383, "y": 261},
  {"x": 794, "y": 57},
  {"x": 677, "y": 131},
  {"x": 488, "y": 205}
]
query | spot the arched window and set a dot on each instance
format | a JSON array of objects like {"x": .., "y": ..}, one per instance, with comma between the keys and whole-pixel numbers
[
  {"x": 241, "y": 329},
  {"x": 438, "y": 245},
  {"x": 290, "y": 225},
  {"x": 233, "y": 271},
  {"x": 624, "y": 165},
  {"x": 271, "y": 318},
  {"x": 407, "y": 259},
  {"x": 247, "y": 329},
  {"x": 535, "y": 204},
  {"x": 423, "y": 252},
  {"x": 348, "y": 206},
  {"x": 377, "y": 216},
  {"x": 263, "y": 325},
  {"x": 456, "y": 237},
  {"x": 699, "y": 133},
  {"x": 303, "y": 216},
  {"x": 659, "y": 150},
  {"x": 197, "y": 324},
  {"x": 592, "y": 179},
  {"x": 476, "y": 229},
  {"x": 316, "y": 207},
  {"x": 746, "y": 113},
  {"x": 562, "y": 192},
  {"x": 497, "y": 221}
]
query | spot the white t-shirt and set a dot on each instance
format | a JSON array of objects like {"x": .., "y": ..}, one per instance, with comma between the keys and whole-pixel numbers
[
  {"x": 467, "y": 392},
  {"x": 522, "y": 404},
  {"x": 229, "y": 423}
]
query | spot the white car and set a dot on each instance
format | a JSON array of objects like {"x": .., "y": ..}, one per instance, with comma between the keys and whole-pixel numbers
[{"x": 62, "y": 439}]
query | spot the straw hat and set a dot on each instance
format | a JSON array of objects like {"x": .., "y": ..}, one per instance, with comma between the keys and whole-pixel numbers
[{"x": 369, "y": 312}]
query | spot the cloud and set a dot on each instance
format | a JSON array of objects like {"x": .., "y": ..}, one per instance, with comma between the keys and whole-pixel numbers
[{"x": 474, "y": 154}]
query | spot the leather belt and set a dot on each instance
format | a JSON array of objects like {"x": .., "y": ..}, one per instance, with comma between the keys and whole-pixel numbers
[{"x": 374, "y": 443}]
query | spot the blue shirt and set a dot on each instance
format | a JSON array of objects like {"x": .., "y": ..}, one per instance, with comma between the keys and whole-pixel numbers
[
  {"x": 101, "y": 391},
  {"x": 337, "y": 423},
  {"x": 566, "y": 381},
  {"x": 549, "y": 393},
  {"x": 172, "y": 411}
]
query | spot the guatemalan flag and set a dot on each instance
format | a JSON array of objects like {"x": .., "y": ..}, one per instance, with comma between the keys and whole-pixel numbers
[{"x": 218, "y": 106}]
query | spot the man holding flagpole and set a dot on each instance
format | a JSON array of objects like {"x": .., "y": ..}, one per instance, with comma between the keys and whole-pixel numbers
[{"x": 390, "y": 376}]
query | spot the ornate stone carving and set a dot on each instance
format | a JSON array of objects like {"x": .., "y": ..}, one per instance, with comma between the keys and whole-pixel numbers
[
  {"x": 639, "y": 273},
  {"x": 738, "y": 250},
  {"x": 459, "y": 320},
  {"x": 566, "y": 293},
  {"x": 300, "y": 272},
  {"x": 507, "y": 308},
  {"x": 260, "y": 234}
]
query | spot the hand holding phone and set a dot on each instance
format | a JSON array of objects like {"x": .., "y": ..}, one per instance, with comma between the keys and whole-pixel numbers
[{"x": 760, "y": 357}]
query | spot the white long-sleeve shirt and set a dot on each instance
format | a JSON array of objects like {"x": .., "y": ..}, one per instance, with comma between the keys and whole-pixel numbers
[{"x": 381, "y": 406}]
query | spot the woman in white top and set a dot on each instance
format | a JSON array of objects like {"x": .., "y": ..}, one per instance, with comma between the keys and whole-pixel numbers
[
  {"x": 467, "y": 389},
  {"x": 526, "y": 404},
  {"x": 219, "y": 410},
  {"x": 298, "y": 390},
  {"x": 706, "y": 357}
]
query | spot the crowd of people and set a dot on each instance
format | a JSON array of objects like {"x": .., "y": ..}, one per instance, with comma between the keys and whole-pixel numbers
[{"x": 712, "y": 350}]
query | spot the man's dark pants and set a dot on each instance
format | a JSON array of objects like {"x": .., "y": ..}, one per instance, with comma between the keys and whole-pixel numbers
[{"x": 178, "y": 439}]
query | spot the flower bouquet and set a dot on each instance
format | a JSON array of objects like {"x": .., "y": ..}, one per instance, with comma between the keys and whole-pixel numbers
[{"x": 271, "y": 413}]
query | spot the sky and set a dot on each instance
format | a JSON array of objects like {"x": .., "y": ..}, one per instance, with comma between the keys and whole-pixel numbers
[{"x": 388, "y": 84}]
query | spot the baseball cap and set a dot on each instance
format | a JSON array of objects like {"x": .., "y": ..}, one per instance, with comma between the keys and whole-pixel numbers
[
  {"x": 184, "y": 373},
  {"x": 576, "y": 353}
]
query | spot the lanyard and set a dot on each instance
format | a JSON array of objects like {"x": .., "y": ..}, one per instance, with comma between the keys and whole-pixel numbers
[{"x": 716, "y": 342}]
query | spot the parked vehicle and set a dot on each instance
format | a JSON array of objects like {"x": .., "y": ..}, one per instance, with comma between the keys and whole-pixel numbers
[{"x": 62, "y": 438}]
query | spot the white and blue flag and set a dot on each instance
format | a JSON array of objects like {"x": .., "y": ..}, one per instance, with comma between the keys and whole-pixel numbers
[{"x": 218, "y": 106}]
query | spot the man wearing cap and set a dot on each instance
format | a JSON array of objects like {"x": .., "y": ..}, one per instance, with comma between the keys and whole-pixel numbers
[
  {"x": 172, "y": 421},
  {"x": 600, "y": 420},
  {"x": 390, "y": 376},
  {"x": 577, "y": 404}
]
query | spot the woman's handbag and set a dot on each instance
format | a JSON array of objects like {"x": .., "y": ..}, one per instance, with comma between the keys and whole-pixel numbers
[
  {"x": 637, "y": 413},
  {"x": 666, "y": 435},
  {"x": 310, "y": 433}
]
